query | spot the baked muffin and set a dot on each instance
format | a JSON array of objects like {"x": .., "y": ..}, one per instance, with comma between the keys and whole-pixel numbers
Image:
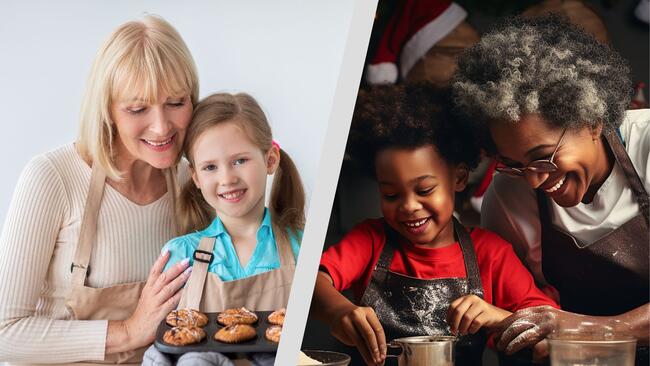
[
  {"x": 182, "y": 336},
  {"x": 235, "y": 333},
  {"x": 273, "y": 333},
  {"x": 186, "y": 318},
  {"x": 277, "y": 317},
  {"x": 236, "y": 316}
]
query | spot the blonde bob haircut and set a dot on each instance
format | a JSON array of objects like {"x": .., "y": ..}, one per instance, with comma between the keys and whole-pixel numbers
[{"x": 138, "y": 61}]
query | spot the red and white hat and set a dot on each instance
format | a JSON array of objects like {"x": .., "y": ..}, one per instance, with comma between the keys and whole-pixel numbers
[{"x": 415, "y": 27}]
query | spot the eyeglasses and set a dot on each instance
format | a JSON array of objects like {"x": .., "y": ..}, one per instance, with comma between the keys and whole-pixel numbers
[{"x": 535, "y": 166}]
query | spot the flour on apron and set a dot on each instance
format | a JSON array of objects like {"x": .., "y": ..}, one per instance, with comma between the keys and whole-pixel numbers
[{"x": 408, "y": 306}]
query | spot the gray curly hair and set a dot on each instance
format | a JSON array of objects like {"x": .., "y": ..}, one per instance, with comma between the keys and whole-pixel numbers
[{"x": 544, "y": 66}]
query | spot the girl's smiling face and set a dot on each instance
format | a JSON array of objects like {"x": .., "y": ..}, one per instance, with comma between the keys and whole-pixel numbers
[
  {"x": 417, "y": 188},
  {"x": 582, "y": 161},
  {"x": 152, "y": 132},
  {"x": 231, "y": 171}
]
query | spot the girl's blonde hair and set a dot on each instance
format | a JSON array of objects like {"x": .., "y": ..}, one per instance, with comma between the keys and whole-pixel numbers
[
  {"x": 138, "y": 61},
  {"x": 287, "y": 203}
]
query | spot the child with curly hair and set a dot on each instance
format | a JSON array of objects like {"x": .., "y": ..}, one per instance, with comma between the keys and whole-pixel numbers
[{"x": 417, "y": 270}]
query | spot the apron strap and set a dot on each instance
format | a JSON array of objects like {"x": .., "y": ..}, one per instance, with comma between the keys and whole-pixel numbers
[
  {"x": 80, "y": 266},
  {"x": 633, "y": 179},
  {"x": 194, "y": 286},
  {"x": 283, "y": 245},
  {"x": 474, "y": 283},
  {"x": 546, "y": 221},
  {"x": 387, "y": 253}
]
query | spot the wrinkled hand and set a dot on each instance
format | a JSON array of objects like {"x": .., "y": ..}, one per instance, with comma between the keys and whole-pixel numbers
[
  {"x": 359, "y": 326},
  {"x": 529, "y": 326},
  {"x": 469, "y": 313},
  {"x": 159, "y": 296},
  {"x": 526, "y": 327}
]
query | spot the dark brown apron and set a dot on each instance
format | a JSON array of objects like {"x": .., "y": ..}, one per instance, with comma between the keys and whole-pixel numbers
[
  {"x": 610, "y": 275},
  {"x": 408, "y": 306}
]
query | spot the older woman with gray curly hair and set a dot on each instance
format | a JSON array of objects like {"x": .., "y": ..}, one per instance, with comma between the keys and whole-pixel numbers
[{"x": 572, "y": 194}]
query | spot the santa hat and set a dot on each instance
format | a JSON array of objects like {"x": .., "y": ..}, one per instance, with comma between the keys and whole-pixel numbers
[
  {"x": 639, "y": 101},
  {"x": 415, "y": 27}
]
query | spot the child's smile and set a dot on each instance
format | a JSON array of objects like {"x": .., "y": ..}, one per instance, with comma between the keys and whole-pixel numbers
[
  {"x": 230, "y": 170},
  {"x": 417, "y": 193},
  {"x": 233, "y": 196},
  {"x": 417, "y": 226}
]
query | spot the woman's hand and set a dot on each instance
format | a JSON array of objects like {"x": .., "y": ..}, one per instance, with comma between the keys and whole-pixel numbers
[
  {"x": 526, "y": 327},
  {"x": 359, "y": 326},
  {"x": 468, "y": 314},
  {"x": 529, "y": 326},
  {"x": 159, "y": 296}
]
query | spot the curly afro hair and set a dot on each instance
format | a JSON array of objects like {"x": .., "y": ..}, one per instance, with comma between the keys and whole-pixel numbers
[
  {"x": 545, "y": 66},
  {"x": 410, "y": 116}
]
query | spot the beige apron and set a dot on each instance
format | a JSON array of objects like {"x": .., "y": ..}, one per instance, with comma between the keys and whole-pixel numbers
[
  {"x": 111, "y": 303},
  {"x": 263, "y": 292}
]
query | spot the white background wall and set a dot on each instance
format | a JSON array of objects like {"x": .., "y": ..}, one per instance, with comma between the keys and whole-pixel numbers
[{"x": 287, "y": 54}]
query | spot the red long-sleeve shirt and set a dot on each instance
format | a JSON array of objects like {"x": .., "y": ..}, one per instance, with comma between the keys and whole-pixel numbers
[{"x": 507, "y": 284}]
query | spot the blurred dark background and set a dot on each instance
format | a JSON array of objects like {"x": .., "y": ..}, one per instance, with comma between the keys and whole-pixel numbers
[{"x": 356, "y": 196}]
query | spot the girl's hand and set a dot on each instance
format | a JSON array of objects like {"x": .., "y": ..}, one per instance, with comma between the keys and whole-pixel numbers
[
  {"x": 358, "y": 326},
  {"x": 469, "y": 313},
  {"x": 159, "y": 296}
]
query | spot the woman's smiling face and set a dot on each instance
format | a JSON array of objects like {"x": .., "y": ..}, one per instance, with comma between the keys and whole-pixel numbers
[
  {"x": 581, "y": 158},
  {"x": 152, "y": 132}
]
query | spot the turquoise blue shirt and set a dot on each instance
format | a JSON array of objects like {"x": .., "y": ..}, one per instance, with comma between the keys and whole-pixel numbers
[{"x": 225, "y": 262}]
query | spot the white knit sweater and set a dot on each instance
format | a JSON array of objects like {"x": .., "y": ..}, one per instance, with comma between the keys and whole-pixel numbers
[{"x": 37, "y": 246}]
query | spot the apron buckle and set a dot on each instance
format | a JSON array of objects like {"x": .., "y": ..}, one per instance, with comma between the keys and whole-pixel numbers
[
  {"x": 203, "y": 253},
  {"x": 72, "y": 266}
]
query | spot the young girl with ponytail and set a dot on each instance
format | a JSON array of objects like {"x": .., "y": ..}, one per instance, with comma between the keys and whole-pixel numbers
[{"x": 241, "y": 253}]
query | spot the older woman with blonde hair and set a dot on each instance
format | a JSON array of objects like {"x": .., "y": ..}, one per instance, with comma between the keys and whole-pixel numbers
[{"x": 81, "y": 271}]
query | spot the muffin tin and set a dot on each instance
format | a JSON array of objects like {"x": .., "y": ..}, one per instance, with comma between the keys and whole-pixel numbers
[{"x": 209, "y": 344}]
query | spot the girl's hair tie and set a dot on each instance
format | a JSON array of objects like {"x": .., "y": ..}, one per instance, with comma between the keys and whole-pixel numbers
[{"x": 275, "y": 143}]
